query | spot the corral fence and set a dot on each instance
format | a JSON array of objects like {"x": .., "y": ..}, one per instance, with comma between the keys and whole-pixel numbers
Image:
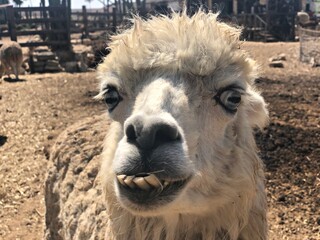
[
  {"x": 85, "y": 21},
  {"x": 54, "y": 24},
  {"x": 309, "y": 46},
  {"x": 267, "y": 26},
  {"x": 42, "y": 21}
]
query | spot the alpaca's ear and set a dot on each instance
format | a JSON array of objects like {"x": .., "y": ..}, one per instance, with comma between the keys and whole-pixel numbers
[{"x": 257, "y": 111}]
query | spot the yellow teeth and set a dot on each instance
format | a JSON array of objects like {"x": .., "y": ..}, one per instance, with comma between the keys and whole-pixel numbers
[
  {"x": 121, "y": 179},
  {"x": 129, "y": 181},
  {"x": 142, "y": 183},
  {"x": 153, "y": 181},
  {"x": 145, "y": 183}
]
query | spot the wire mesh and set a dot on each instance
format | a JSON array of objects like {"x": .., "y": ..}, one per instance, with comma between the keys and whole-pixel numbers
[{"x": 309, "y": 46}]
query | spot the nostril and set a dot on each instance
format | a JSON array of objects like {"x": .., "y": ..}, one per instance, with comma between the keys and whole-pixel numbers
[
  {"x": 133, "y": 127},
  {"x": 166, "y": 133},
  {"x": 130, "y": 132}
]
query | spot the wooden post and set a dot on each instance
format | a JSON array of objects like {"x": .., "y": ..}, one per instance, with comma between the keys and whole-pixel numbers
[
  {"x": 209, "y": 5},
  {"x": 131, "y": 6},
  {"x": 31, "y": 63},
  {"x": 45, "y": 16},
  {"x": 235, "y": 7},
  {"x": 85, "y": 21},
  {"x": 293, "y": 32},
  {"x": 114, "y": 19},
  {"x": 124, "y": 7},
  {"x": 12, "y": 24},
  {"x": 118, "y": 6},
  {"x": 144, "y": 9},
  {"x": 68, "y": 18},
  {"x": 108, "y": 12},
  {"x": 301, "y": 41},
  {"x": 138, "y": 2}
]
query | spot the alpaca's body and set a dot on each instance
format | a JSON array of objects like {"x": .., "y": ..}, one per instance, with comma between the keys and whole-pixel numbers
[
  {"x": 10, "y": 59},
  {"x": 181, "y": 93}
]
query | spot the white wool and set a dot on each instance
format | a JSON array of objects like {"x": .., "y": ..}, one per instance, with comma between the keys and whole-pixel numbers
[{"x": 185, "y": 59}]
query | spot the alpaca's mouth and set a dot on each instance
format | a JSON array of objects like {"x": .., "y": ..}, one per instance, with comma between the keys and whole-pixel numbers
[
  {"x": 146, "y": 183},
  {"x": 148, "y": 189}
]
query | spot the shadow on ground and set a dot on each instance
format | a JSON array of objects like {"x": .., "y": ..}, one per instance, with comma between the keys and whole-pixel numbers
[
  {"x": 13, "y": 80},
  {"x": 3, "y": 140}
]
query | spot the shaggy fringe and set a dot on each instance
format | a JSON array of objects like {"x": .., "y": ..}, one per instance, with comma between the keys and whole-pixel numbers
[{"x": 197, "y": 45}]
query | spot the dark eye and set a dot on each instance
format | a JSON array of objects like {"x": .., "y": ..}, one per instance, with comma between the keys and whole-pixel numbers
[
  {"x": 229, "y": 99},
  {"x": 112, "y": 98}
]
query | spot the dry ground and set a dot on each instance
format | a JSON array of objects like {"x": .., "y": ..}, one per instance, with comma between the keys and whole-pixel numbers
[{"x": 34, "y": 111}]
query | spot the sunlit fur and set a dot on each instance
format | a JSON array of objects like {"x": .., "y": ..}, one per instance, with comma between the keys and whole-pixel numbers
[
  {"x": 10, "y": 59},
  {"x": 175, "y": 65}
]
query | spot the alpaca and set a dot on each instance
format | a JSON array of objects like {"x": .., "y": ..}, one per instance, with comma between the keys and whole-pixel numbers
[
  {"x": 10, "y": 59},
  {"x": 180, "y": 160}
]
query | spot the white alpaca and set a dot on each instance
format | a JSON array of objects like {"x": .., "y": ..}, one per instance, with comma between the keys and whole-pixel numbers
[
  {"x": 180, "y": 159},
  {"x": 10, "y": 59}
]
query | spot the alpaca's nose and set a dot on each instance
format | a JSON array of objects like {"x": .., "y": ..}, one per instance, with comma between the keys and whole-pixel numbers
[{"x": 151, "y": 132}]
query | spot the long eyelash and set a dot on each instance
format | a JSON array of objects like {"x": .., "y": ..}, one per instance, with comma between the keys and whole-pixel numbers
[
  {"x": 100, "y": 96},
  {"x": 231, "y": 87}
]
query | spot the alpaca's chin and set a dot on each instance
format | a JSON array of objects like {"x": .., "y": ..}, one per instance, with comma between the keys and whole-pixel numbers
[{"x": 152, "y": 201}]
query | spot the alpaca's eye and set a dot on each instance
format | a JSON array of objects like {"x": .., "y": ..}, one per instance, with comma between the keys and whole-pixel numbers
[
  {"x": 112, "y": 98},
  {"x": 229, "y": 99}
]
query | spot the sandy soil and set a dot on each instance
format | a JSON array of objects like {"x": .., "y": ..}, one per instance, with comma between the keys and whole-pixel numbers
[
  {"x": 290, "y": 146},
  {"x": 35, "y": 110},
  {"x": 32, "y": 113}
]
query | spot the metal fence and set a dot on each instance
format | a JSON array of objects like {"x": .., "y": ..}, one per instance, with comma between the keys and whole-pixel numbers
[{"x": 309, "y": 46}]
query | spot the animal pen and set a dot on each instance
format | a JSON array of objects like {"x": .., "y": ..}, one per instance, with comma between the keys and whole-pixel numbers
[
  {"x": 54, "y": 24},
  {"x": 270, "y": 21}
]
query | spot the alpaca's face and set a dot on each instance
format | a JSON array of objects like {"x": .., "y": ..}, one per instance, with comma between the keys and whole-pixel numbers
[
  {"x": 182, "y": 92},
  {"x": 178, "y": 142}
]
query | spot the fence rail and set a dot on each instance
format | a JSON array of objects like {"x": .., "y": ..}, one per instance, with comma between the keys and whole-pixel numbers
[
  {"x": 36, "y": 9},
  {"x": 21, "y": 20},
  {"x": 94, "y": 21}
]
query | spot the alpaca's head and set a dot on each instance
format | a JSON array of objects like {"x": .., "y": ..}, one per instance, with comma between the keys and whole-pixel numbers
[{"x": 181, "y": 93}]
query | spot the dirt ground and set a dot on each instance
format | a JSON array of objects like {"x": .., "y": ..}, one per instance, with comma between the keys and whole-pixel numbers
[{"x": 36, "y": 109}]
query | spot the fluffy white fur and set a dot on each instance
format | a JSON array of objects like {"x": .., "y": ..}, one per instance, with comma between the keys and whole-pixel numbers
[{"x": 173, "y": 66}]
